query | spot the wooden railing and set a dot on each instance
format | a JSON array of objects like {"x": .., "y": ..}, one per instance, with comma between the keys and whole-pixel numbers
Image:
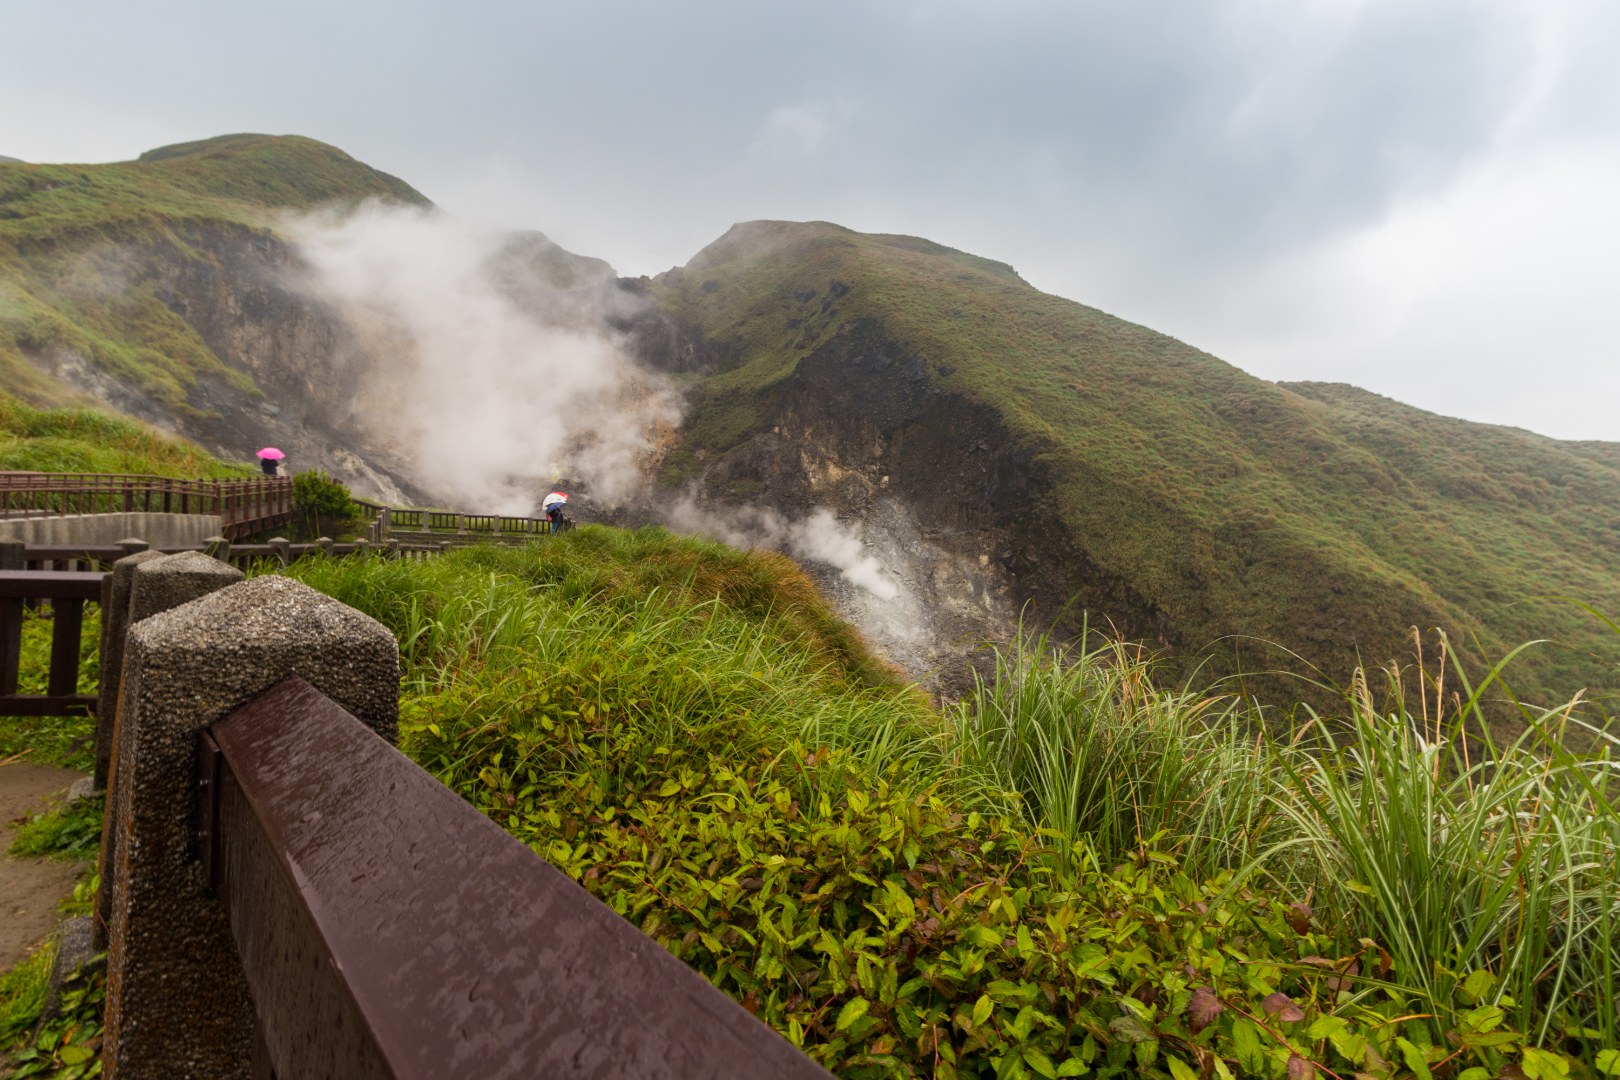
[
  {"x": 244, "y": 506},
  {"x": 67, "y": 591},
  {"x": 386, "y": 520},
  {"x": 385, "y": 924}
]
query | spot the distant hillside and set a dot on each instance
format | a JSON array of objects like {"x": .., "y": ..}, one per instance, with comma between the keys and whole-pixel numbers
[
  {"x": 89, "y": 440},
  {"x": 161, "y": 288},
  {"x": 1071, "y": 454}
]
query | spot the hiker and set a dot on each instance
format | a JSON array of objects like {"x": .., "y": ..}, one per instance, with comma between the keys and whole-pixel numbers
[
  {"x": 552, "y": 505},
  {"x": 269, "y": 460}
]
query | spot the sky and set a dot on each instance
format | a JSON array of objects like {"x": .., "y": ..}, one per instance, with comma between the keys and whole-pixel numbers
[{"x": 1420, "y": 197}]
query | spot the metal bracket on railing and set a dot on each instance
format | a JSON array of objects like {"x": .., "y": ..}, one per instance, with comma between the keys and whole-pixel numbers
[{"x": 209, "y": 766}]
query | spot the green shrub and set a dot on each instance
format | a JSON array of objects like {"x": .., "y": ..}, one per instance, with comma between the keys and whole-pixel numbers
[
  {"x": 322, "y": 506},
  {"x": 890, "y": 889}
]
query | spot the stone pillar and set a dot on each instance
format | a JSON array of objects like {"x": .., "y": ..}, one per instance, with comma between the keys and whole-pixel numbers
[
  {"x": 114, "y": 624},
  {"x": 217, "y": 547},
  {"x": 177, "y": 1002},
  {"x": 155, "y": 583},
  {"x": 281, "y": 544}
]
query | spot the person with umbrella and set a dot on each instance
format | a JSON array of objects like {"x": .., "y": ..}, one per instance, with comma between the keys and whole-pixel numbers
[
  {"x": 552, "y": 506},
  {"x": 268, "y": 457}
]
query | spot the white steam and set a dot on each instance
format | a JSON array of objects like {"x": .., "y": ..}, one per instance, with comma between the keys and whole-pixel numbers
[
  {"x": 820, "y": 537},
  {"x": 481, "y": 387},
  {"x": 494, "y": 384}
]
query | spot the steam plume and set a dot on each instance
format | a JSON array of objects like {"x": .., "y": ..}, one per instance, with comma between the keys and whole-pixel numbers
[
  {"x": 820, "y": 537},
  {"x": 492, "y": 387}
]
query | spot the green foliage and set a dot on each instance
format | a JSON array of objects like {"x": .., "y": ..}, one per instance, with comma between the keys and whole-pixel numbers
[
  {"x": 1319, "y": 517},
  {"x": 64, "y": 741},
  {"x": 68, "y": 1047},
  {"x": 69, "y": 832},
  {"x": 85, "y": 251},
  {"x": 1105, "y": 759},
  {"x": 88, "y": 440},
  {"x": 322, "y": 506},
  {"x": 22, "y": 993},
  {"x": 900, "y": 899}
]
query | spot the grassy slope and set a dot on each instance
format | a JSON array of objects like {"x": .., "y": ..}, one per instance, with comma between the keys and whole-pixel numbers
[
  {"x": 686, "y": 731},
  {"x": 79, "y": 243},
  {"x": 86, "y": 440},
  {"x": 1321, "y": 519}
]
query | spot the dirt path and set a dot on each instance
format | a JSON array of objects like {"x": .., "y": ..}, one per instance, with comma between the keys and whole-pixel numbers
[{"x": 30, "y": 889}]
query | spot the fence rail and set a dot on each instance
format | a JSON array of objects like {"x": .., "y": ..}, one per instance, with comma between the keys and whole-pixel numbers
[
  {"x": 243, "y": 506},
  {"x": 421, "y": 523},
  {"x": 385, "y": 924},
  {"x": 67, "y": 591}
]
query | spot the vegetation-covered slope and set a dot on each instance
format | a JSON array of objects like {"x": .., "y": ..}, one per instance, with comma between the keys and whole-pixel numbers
[
  {"x": 91, "y": 257},
  {"x": 89, "y": 440},
  {"x": 1073, "y": 873},
  {"x": 1185, "y": 499}
]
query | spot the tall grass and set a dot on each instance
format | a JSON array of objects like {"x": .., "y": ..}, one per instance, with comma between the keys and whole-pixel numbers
[
  {"x": 1462, "y": 856},
  {"x": 1485, "y": 873},
  {"x": 1106, "y": 761},
  {"x": 1488, "y": 873},
  {"x": 695, "y": 652}
]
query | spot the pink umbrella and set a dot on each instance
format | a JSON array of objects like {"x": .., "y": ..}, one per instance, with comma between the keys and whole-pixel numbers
[{"x": 270, "y": 453}]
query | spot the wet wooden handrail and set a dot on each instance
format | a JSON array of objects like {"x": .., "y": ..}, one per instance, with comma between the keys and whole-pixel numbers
[
  {"x": 244, "y": 506},
  {"x": 388, "y": 929}
]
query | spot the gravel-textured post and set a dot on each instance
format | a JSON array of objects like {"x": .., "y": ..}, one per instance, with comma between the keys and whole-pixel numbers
[
  {"x": 157, "y": 583},
  {"x": 177, "y": 1002}
]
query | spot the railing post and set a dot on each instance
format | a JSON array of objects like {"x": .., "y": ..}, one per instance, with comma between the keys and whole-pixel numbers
[
  {"x": 281, "y": 545},
  {"x": 13, "y": 555},
  {"x": 217, "y": 547},
  {"x": 177, "y": 1000},
  {"x": 325, "y": 544},
  {"x": 150, "y": 583}
]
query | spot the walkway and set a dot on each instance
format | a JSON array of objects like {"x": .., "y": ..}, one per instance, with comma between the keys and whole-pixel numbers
[{"x": 30, "y": 889}]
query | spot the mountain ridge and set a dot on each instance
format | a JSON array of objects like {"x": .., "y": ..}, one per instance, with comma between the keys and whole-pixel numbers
[{"x": 1000, "y": 445}]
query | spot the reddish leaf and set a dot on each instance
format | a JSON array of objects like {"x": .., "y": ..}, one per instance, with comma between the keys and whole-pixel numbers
[
  {"x": 1299, "y": 917},
  {"x": 1282, "y": 1007},
  {"x": 1299, "y": 1068},
  {"x": 1203, "y": 1008}
]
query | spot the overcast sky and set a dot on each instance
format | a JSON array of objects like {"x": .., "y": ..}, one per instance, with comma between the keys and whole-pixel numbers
[{"x": 1421, "y": 198}]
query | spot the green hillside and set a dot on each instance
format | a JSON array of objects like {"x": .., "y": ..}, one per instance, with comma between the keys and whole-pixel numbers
[
  {"x": 1321, "y": 518},
  {"x": 88, "y": 253},
  {"x": 92, "y": 441}
]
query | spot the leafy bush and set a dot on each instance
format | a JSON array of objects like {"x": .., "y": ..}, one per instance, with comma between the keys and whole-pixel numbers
[
  {"x": 896, "y": 898},
  {"x": 322, "y": 506},
  {"x": 69, "y": 832}
]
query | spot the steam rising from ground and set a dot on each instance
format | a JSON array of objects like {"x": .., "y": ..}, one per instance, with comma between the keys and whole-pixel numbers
[
  {"x": 481, "y": 385},
  {"x": 820, "y": 537},
  {"x": 497, "y": 384}
]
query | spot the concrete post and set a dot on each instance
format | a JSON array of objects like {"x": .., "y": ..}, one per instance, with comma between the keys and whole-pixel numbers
[
  {"x": 157, "y": 583},
  {"x": 132, "y": 545},
  {"x": 217, "y": 547},
  {"x": 114, "y": 625},
  {"x": 281, "y": 544},
  {"x": 13, "y": 555},
  {"x": 177, "y": 1002},
  {"x": 325, "y": 544}
]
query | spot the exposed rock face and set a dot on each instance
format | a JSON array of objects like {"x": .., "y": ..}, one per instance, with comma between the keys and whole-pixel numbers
[
  {"x": 291, "y": 373},
  {"x": 933, "y": 482}
]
